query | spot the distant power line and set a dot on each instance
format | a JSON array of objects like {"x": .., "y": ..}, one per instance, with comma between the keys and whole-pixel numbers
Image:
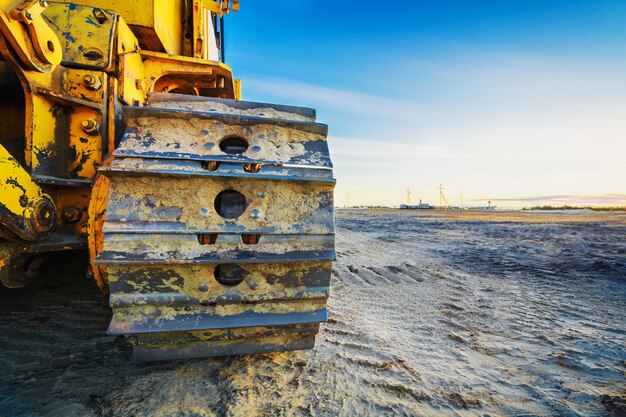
[{"x": 442, "y": 198}]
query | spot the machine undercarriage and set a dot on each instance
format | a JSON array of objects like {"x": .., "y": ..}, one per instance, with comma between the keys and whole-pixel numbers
[{"x": 208, "y": 220}]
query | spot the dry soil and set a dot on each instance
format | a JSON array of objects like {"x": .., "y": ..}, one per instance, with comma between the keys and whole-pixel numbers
[{"x": 431, "y": 313}]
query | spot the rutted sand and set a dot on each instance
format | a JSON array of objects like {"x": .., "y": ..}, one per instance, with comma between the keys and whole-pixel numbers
[{"x": 430, "y": 313}]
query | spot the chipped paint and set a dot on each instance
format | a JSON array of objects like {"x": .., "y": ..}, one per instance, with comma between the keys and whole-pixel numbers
[
  {"x": 286, "y": 207},
  {"x": 145, "y": 214},
  {"x": 222, "y": 107},
  {"x": 163, "y": 277},
  {"x": 202, "y": 136}
]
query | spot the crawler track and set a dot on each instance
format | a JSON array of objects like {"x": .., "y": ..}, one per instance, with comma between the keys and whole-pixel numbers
[{"x": 219, "y": 230}]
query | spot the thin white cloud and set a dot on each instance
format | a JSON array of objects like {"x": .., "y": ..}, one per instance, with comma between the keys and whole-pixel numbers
[
  {"x": 386, "y": 149},
  {"x": 618, "y": 200},
  {"x": 501, "y": 124},
  {"x": 592, "y": 199},
  {"x": 345, "y": 101}
]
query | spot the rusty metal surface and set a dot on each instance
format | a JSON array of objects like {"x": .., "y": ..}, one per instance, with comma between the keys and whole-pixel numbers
[
  {"x": 240, "y": 347},
  {"x": 197, "y": 344},
  {"x": 162, "y": 248},
  {"x": 28, "y": 33},
  {"x": 184, "y": 134},
  {"x": 168, "y": 205},
  {"x": 86, "y": 34},
  {"x": 25, "y": 210},
  {"x": 156, "y": 298},
  {"x": 212, "y": 227},
  {"x": 131, "y": 167},
  {"x": 64, "y": 117},
  {"x": 219, "y": 105},
  {"x": 206, "y": 256}
]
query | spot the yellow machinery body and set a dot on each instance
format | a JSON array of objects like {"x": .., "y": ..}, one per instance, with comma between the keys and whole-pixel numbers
[{"x": 111, "y": 106}]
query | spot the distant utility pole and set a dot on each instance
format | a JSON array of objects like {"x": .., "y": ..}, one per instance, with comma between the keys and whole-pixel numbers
[
  {"x": 442, "y": 198},
  {"x": 408, "y": 196},
  {"x": 347, "y": 199},
  {"x": 440, "y": 188}
]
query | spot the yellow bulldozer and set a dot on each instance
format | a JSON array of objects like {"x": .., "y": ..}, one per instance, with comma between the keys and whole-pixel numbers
[{"x": 208, "y": 221}]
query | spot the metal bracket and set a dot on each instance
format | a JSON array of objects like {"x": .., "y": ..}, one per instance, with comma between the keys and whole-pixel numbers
[
  {"x": 221, "y": 6},
  {"x": 30, "y": 35},
  {"x": 25, "y": 210}
]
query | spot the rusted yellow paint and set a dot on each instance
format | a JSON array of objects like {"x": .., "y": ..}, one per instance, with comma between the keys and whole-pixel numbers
[
  {"x": 267, "y": 142},
  {"x": 40, "y": 126},
  {"x": 96, "y": 216},
  {"x": 282, "y": 207},
  {"x": 17, "y": 188},
  {"x": 73, "y": 84},
  {"x": 177, "y": 249},
  {"x": 43, "y": 39},
  {"x": 87, "y": 147},
  {"x": 192, "y": 276},
  {"x": 131, "y": 87},
  {"x": 237, "y": 89},
  {"x": 142, "y": 313},
  {"x": 221, "y": 6},
  {"x": 29, "y": 34},
  {"x": 60, "y": 102},
  {"x": 81, "y": 31},
  {"x": 159, "y": 22},
  {"x": 186, "y": 75},
  {"x": 270, "y": 335},
  {"x": 73, "y": 116}
]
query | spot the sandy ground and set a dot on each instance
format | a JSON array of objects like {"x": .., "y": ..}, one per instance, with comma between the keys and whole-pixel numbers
[{"x": 430, "y": 314}]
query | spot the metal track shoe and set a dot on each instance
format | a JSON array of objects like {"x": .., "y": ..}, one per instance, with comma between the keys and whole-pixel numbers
[{"x": 219, "y": 229}]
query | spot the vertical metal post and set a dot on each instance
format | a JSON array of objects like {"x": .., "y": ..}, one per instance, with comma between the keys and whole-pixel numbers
[{"x": 222, "y": 40}]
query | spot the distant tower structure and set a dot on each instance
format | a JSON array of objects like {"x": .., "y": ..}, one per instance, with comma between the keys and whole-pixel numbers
[
  {"x": 442, "y": 198},
  {"x": 347, "y": 199},
  {"x": 408, "y": 196},
  {"x": 440, "y": 188}
]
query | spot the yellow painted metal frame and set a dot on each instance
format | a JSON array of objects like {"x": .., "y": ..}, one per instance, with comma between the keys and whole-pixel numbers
[
  {"x": 17, "y": 188},
  {"x": 29, "y": 34},
  {"x": 157, "y": 23},
  {"x": 27, "y": 210},
  {"x": 97, "y": 214},
  {"x": 221, "y": 6},
  {"x": 72, "y": 100}
]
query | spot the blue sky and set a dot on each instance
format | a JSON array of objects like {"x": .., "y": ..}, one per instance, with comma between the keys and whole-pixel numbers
[{"x": 519, "y": 102}]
